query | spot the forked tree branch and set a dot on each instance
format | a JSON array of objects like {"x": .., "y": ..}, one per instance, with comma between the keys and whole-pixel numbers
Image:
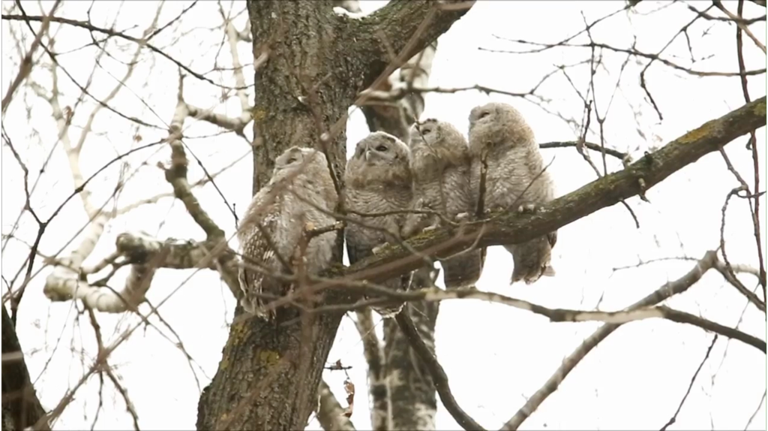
[{"x": 403, "y": 27}]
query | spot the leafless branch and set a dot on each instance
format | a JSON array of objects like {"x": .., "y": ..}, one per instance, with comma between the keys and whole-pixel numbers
[
  {"x": 673, "y": 419},
  {"x": 90, "y": 27},
  {"x": 439, "y": 378},
  {"x": 634, "y": 52},
  {"x": 740, "y": 22},
  {"x": 666, "y": 291},
  {"x": 26, "y": 63}
]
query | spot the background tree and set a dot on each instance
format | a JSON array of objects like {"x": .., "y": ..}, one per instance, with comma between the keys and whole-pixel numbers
[{"x": 147, "y": 113}]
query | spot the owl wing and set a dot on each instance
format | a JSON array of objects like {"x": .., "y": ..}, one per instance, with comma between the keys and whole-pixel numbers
[
  {"x": 552, "y": 239},
  {"x": 463, "y": 270},
  {"x": 415, "y": 222},
  {"x": 357, "y": 246},
  {"x": 257, "y": 253}
]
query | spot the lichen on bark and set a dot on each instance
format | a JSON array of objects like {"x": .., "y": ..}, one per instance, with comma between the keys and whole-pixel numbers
[{"x": 270, "y": 371}]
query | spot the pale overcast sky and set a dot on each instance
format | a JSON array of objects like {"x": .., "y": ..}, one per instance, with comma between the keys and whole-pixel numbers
[{"x": 495, "y": 356}]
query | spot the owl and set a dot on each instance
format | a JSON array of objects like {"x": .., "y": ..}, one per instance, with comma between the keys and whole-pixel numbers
[
  {"x": 440, "y": 164},
  {"x": 378, "y": 180},
  {"x": 299, "y": 196},
  {"x": 499, "y": 135}
]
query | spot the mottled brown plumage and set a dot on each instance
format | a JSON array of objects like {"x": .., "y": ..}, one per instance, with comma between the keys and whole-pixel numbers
[
  {"x": 515, "y": 179},
  {"x": 378, "y": 180},
  {"x": 299, "y": 191},
  {"x": 440, "y": 164}
]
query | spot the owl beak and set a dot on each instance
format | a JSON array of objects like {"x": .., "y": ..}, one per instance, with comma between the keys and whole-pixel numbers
[{"x": 367, "y": 154}]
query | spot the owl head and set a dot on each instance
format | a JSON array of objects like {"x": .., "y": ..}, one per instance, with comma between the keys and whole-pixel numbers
[
  {"x": 438, "y": 141},
  {"x": 379, "y": 158},
  {"x": 497, "y": 125},
  {"x": 297, "y": 160}
]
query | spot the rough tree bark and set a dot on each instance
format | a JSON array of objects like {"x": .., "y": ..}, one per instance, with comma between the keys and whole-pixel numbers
[
  {"x": 21, "y": 407},
  {"x": 402, "y": 391},
  {"x": 269, "y": 373}
]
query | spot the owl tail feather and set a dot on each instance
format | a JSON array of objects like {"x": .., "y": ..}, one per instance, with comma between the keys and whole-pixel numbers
[
  {"x": 462, "y": 271},
  {"x": 529, "y": 277},
  {"x": 549, "y": 271}
]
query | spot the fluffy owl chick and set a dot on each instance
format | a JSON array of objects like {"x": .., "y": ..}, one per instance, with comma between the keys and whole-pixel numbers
[
  {"x": 378, "y": 180},
  {"x": 514, "y": 180},
  {"x": 300, "y": 187},
  {"x": 440, "y": 165}
]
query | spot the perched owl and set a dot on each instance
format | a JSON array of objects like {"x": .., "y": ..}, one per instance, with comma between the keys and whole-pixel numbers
[
  {"x": 300, "y": 190},
  {"x": 499, "y": 135},
  {"x": 378, "y": 179},
  {"x": 440, "y": 165}
]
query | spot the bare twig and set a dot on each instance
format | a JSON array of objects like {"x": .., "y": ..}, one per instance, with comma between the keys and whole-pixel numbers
[
  {"x": 26, "y": 63},
  {"x": 673, "y": 419},
  {"x": 91, "y": 27},
  {"x": 667, "y": 290},
  {"x": 740, "y": 22},
  {"x": 439, "y": 378}
]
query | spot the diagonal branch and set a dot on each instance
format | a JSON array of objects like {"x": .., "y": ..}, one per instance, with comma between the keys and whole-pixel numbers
[
  {"x": 439, "y": 377},
  {"x": 513, "y": 228},
  {"x": 330, "y": 414},
  {"x": 404, "y": 27},
  {"x": 26, "y": 63},
  {"x": 553, "y": 383}
]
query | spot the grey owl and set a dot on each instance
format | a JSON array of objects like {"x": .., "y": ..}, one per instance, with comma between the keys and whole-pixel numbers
[
  {"x": 440, "y": 164},
  {"x": 499, "y": 135},
  {"x": 378, "y": 179},
  {"x": 300, "y": 192}
]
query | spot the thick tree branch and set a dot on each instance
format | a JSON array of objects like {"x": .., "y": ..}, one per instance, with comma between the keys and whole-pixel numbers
[
  {"x": 402, "y": 27},
  {"x": 145, "y": 254},
  {"x": 513, "y": 228},
  {"x": 26, "y": 63},
  {"x": 660, "y": 312}
]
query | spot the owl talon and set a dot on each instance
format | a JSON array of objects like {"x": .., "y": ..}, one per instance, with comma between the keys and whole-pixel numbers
[
  {"x": 462, "y": 217},
  {"x": 430, "y": 228},
  {"x": 527, "y": 208}
]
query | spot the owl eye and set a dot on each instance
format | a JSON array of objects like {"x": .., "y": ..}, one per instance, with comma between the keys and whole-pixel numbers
[
  {"x": 291, "y": 160},
  {"x": 381, "y": 148},
  {"x": 483, "y": 115}
]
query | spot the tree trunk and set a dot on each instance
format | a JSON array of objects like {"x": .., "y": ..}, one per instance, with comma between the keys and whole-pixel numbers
[
  {"x": 411, "y": 390},
  {"x": 402, "y": 391},
  {"x": 269, "y": 373},
  {"x": 21, "y": 407}
]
